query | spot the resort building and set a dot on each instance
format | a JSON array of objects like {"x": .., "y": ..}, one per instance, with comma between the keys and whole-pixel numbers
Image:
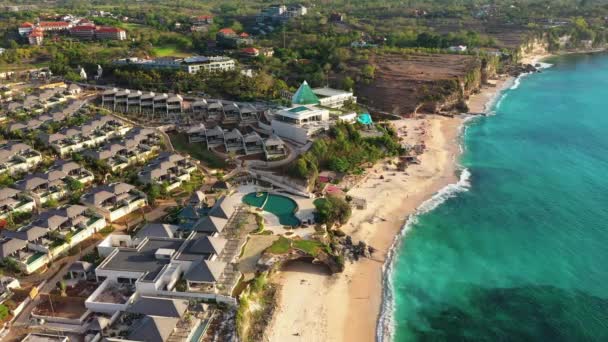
[
  {"x": 48, "y": 236},
  {"x": 54, "y": 25},
  {"x": 36, "y": 36},
  {"x": 115, "y": 200},
  {"x": 191, "y": 64},
  {"x": 300, "y": 123},
  {"x": 334, "y": 98},
  {"x": 281, "y": 13},
  {"x": 43, "y": 120},
  {"x": 137, "y": 145},
  {"x": 168, "y": 168},
  {"x": 110, "y": 33},
  {"x": 40, "y": 100},
  {"x": 305, "y": 118},
  {"x": 16, "y": 157},
  {"x": 54, "y": 184},
  {"x": 85, "y": 31},
  {"x": 172, "y": 108},
  {"x": 25, "y": 29},
  {"x": 234, "y": 141},
  {"x": 14, "y": 201},
  {"x": 228, "y": 38},
  {"x": 202, "y": 20},
  {"x": 92, "y": 133}
]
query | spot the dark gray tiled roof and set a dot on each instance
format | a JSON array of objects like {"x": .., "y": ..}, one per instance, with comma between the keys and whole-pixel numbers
[
  {"x": 155, "y": 306},
  {"x": 153, "y": 329},
  {"x": 205, "y": 271}
]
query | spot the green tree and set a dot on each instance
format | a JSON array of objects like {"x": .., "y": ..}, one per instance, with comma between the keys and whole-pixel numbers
[
  {"x": 333, "y": 210},
  {"x": 348, "y": 83}
]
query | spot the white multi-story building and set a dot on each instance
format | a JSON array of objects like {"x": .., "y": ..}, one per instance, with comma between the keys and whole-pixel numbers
[
  {"x": 191, "y": 65},
  {"x": 334, "y": 98},
  {"x": 300, "y": 123}
]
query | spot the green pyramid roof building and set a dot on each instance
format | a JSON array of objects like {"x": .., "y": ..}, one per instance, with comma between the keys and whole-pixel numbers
[{"x": 304, "y": 96}]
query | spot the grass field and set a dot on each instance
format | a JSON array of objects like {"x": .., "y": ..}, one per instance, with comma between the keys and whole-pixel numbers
[
  {"x": 169, "y": 50},
  {"x": 196, "y": 150}
]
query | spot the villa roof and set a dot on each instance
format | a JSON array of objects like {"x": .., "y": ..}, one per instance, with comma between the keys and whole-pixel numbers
[
  {"x": 252, "y": 137},
  {"x": 205, "y": 271},
  {"x": 274, "y": 141},
  {"x": 155, "y": 306},
  {"x": 109, "y": 29},
  {"x": 250, "y": 51},
  {"x": 97, "y": 196},
  {"x": 196, "y": 129},
  {"x": 304, "y": 95},
  {"x": 54, "y": 24},
  {"x": 7, "y": 193},
  {"x": 9, "y": 246},
  {"x": 157, "y": 230},
  {"x": 198, "y": 197},
  {"x": 142, "y": 259},
  {"x": 210, "y": 224},
  {"x": 65, "y": 165},
  {"x": 80, "y": 266},
  {"x": 224, "y": 207},
  {"x": 208, "y": 245},
  {"x": 153, "y": 329},
  {"x": 27, "y": 233},
  {"x": 31, "y": 182},
  {"x": 234, "y": 134},
  {"x": 227, "y": 31}
]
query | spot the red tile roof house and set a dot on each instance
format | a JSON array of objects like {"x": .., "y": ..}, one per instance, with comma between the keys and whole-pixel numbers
[
  {"x": 250, "y": 52},
  {"x": 86, "y": 31},
  {"x": 227, "y": 32},
  {"x": 203, "y": 20},
  {"x": 54, "y": 25},
  {"x": 105, "y": 32},
  {"x": 25, "y": 28},
  {"x": 36, "y": 36}
]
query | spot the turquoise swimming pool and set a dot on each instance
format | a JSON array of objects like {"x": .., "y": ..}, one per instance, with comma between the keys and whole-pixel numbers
[
  {"x": 281, "y": 206},
  {"x": 365, "y": 119}
]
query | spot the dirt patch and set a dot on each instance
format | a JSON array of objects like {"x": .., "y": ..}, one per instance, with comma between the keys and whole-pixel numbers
[
  {"x": 402, "y": 83},
  {"x": 510, "y": 36},
  {"x": 252, "y": 253},
  {"x": 58, "y": 306}
]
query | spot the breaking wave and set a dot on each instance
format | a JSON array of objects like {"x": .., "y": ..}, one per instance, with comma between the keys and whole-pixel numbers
[{"x": 385, "y": 329}]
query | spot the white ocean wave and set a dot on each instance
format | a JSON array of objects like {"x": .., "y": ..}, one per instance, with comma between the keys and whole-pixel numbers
[
  {"x": 517, "y": 82},
  {"x": 385, "y": 329},
  {"x": 542, "y": 65}
]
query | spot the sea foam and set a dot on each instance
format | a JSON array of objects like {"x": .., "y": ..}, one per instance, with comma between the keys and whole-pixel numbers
[{"x": 385, "y": 329}]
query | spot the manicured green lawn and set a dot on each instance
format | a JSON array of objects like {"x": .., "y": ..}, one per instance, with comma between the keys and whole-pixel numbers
[
  {"x": 311, "y": 247},
  {"x": 282, "y": 245},
  {"x": 196, "y": 150},
  {"x": 169, "y": 50}
]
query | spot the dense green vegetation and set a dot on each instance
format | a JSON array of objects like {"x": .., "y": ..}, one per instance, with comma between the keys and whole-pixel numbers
[
  {"x": 332, "y": 210},
  {"x": 345, "y": 150},
  {"x": 312, "y": 47}
]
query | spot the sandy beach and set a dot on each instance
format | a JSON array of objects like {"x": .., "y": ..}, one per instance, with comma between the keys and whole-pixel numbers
[{"x": 313, "y": 306}]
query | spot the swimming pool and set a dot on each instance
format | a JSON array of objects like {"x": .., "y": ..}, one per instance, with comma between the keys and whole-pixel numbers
[
  {"x": 365, "y": 119},
  {"x": 281, "y": 206}
]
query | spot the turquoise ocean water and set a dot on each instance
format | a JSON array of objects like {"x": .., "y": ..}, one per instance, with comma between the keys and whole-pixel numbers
[{"x": 519, "y": 252}]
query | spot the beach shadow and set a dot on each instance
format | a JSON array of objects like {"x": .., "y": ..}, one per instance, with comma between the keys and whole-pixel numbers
[{"x": 305, "y": 265}]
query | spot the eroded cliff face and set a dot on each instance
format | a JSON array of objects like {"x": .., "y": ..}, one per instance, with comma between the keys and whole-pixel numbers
[
  {"x": 535, "y": 46},
  {"x": 455, "y": 100}
]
